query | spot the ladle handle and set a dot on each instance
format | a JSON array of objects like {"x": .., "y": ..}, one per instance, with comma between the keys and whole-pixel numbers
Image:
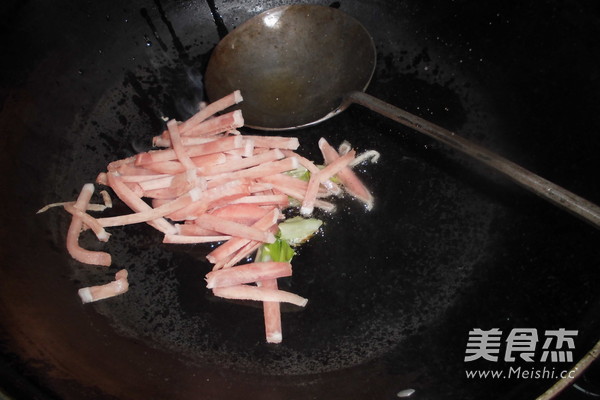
[{"x": 553, "y": 193}]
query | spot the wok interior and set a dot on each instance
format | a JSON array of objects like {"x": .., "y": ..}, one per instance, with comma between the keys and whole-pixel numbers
[{"x": 393, "y": 293}]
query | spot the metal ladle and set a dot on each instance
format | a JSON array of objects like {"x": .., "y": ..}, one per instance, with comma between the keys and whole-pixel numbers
[{"x": 298, "y": 65}]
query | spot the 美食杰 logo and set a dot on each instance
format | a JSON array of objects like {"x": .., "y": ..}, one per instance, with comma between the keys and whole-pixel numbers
[{"x": 520, "y": 345}]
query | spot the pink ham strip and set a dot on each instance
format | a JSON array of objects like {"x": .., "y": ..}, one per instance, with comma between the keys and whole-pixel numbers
[
  {"x": 293, "y": 193},
  {"x": 274, "y": 199},
  {"x": 248, "y": 148},
  {"x": 218, "y": 203},
  {"x": 152, "y": 213},
  {"x": 211, "y": 109},
  {"x": 88, "y": 221},
  {"x": 160, "y": 141},
  {"x": 77, "y": 252},
  {"x": 106, "y": 198},
  {"x": 235, "y": 154},
  {"x": 216, "y": 146},
  {"x": 166, "y": 167},
  {"x": 242, "y": 163},
  {"x": 175, "y": 167},
  {"x": 244, "y": 252},
  {"x": 275, "y": 142},
  {"x": 268, "y": 168},
  {"x": 261, "y": 188},
  {"x": 181, "y": 239},
  {"x": 131, "y": 169},
  {"x": 206, "y": 112},
  {"x": 134, "y": 187},
  {"x": 332, "y": 187},
  {"x": 246, "y": 214},
  {"x": 161, "y": 182},
  {"x": 344, "y": 147},
  {"x": 231, "y": 252},
  {"x": 94, "y": 293},
  {"x": 137, "y": 204},
  {"x": 305, "y": 162},
  {"x": 101, "y": 179},
  {"x": 159, "y": 202},
  {"x": 227, "y": 227},
  {"x": 308, "y": 203},
  {"x": 299, "y": 193},
  {"x": 351, "y": 182},
  {"x": 190, "y": 229},
  {"x": 226, "y": 249},
  {"x": 142, "y": 178},
  {"x": 238, "y": 188},
  {"x": 204, "y": 131},
  {"x": 313, "y": 169},
  {"x": 247, "y": 292},
  {"x": 248, "y": 273},
  {"x": 222, "y": 123},
  {"x": 177, "y": 146},
  {"x": 115, "y": 165},
  {"x": 209, "y": 159},
  {"x": 167, "y": 193},
  {"x": 272, "y": 314},
  {"x": 189, "y": 212},
  {"x": 180, "y": 182},
  {"x": 325, "y": 205},
  {"x": 176, "y": 186},
  {"x": 282, "y": 180},
  {"x": 337, "y": 165}
]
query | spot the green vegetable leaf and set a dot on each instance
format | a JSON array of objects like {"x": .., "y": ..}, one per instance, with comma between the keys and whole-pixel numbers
[
  {"x": 300, "y": 173},
  {"x": 298, "y": 230},
  {"x": 292, "y": 231},
  {"x": 279, "y": 251}
]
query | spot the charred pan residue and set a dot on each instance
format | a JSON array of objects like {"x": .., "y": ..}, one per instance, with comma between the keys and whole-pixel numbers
[
  {"x": 143, "y": 101},
  {"x": 221, "y": 28},
  {"x": 146, "y": 16},
  {"x": 176, "y": 42}
]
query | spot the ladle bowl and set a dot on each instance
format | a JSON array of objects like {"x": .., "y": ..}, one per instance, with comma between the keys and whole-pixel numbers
[
  {"x": 298, "y": 65},
  {"x": 292, "y": 65}
]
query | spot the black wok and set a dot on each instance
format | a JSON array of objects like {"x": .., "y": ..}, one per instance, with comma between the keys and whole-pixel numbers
[{"x": 449, "y": 247}]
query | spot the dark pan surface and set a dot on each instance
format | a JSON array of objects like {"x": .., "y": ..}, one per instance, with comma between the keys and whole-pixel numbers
[{"x": 449, "y": 246}]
